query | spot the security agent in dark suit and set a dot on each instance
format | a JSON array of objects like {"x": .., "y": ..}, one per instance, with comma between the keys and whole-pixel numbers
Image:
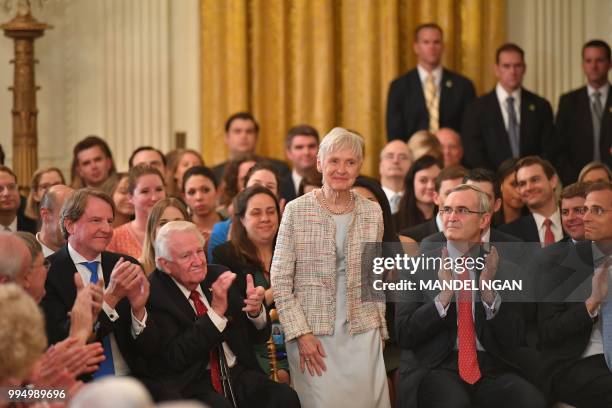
[
  {"x": 455, "y": 356},
  {"x": 571, "y": 320},
  {"x": 301, "y": 146},
  {"x": 509, "y": 121},
  {"x": 86, "y": 222},
  {"x": 583, "y": 127},
  {"x": 447, "y": 95},
  {"x": 241, "y": 131},
  {"x": 195, "y": 309}
]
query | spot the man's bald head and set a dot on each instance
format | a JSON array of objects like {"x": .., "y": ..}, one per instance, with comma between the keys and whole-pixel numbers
[
  {"x": 451, "y": 146},
  {"x": 15, "y": 258}
]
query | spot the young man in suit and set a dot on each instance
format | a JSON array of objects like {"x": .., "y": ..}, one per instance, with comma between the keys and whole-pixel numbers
[
  {"x": 428, "y": 97},
  {"x": 584, "y": 119},
  {"x": 86, "y": 222},
  {"x": 12, "y": 217},
  {"x": 241, "y": 132},
  {"x": 536, "y": 179},
  {"x": 509, "y": 121},
  {"x": 574, "y": 330},
  {"x": 301, "y": 144},
  {"x": 572, "y": 212},
  {"x": 463, "y": 346},
  {"x": 197, "y": 316}
]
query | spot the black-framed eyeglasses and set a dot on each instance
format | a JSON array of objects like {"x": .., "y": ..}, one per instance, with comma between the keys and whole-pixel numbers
[
  {"x": 595, "y": 210},
  {"x": 462, "y": 211}
]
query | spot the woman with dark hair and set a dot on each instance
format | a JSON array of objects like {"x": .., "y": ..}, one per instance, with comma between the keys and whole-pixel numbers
[
  {"x": 263, "y": 174},
  {"x": 250, "y": 250},
  {"x": 233, "y": 178},
  {"x": 417, "y": 204},
  {"x": 311, "y": 181},
  {"x": 145, "y": 188},
  {"x": 512, "y": 205},
  {"x": 200, "y": 191}
]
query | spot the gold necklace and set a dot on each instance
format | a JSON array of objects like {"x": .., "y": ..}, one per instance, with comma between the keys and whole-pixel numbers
[{"x": 343, "y": 210}]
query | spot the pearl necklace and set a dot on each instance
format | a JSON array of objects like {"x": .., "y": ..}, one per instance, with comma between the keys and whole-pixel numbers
[{"x": 343, "y": 210}]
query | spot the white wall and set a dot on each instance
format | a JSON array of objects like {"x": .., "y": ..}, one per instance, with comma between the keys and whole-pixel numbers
[
  {"x": 126, "y": 70},
  {"x": 552, "y": 33}
]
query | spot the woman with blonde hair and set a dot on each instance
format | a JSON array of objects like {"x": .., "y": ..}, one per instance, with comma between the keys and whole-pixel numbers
[
  {"x": 424, "y": 143},
  {"x": 41, "y": 181},
  {"x": 595, "y": 171},
  {"x": 166, "y": 210},
  {"x": 333, "y": 338}
]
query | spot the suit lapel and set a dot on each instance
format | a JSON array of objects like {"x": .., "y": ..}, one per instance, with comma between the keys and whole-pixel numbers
[
  {"x": 445, "y": 96},
  {"x": 419, "y": 96},
  {"x": 182, "y": 307},
  {"x": 499, "y": 128},
  {"x": 526, "y": 119},
  {"x": 67, "y": 269},
  {"x": 107, "y": 267},
  {"x": 606, "y": 132}
]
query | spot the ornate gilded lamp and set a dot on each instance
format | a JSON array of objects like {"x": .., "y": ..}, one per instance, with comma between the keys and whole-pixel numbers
[{"x": 24, "y": 29}]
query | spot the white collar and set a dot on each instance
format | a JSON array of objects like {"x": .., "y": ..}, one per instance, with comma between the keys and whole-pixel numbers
[
  {"x": 555, "y": 218},
  {"x": 186, "y": 292},
  {"x": 502, "y": 95},
  {"x": 390, "y": 193},
  {"x": 603, "y": 91},
  {"x": 437, "y": 73},
  {"x": 79, "y": 259}
]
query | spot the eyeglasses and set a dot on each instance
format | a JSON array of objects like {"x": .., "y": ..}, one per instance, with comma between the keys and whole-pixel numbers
[
  {"x": 461, "y": 211},
  {"x": 595, "y": 210}
]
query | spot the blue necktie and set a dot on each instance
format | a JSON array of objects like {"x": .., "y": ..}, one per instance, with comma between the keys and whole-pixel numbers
[
  {"x": 106, "y": 367},
  {"x": 93, "y": 268}
]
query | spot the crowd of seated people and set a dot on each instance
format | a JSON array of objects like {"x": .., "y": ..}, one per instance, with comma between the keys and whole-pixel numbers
[{"x": 240, "y": 284}]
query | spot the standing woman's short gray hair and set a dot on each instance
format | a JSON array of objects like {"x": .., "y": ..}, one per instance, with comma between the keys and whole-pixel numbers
[{"x": 339, "y": 138}]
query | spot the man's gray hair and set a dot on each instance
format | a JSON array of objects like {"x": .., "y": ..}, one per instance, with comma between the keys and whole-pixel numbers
[
  {"x": 484, "y": 203},
  {"x": 12, "y": 264},
  {"x": 339, "y": 138},
  {"x": 164, "y": 237}
]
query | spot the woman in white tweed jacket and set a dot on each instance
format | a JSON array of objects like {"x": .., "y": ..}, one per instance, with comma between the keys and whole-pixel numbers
[{"x": 334, "y": 339}]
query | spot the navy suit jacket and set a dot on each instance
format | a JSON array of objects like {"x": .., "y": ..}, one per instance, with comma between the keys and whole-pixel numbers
[
  {"x": 574, "y": 134},
  {"x": 61, "y": 294},
  {"x": 406, "y": 109},
  {"x": 484, "y": 134}
]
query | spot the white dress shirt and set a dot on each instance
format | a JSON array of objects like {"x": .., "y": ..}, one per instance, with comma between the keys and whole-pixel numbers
[
  {"x": 602, "y": 98},
  {"x": 46, "y": 250},
  {"x": 502, "y": 95},
  {"x": 119, "y": 364},
  {"x": 437, "y": 73},
  {"x": 220, "y": 322},
  {"x": 390, "y": 195},
  {"x": 556, "y": 226},
  {"x": 297, "y": 179},
  {"x": 12, "y": 227}
]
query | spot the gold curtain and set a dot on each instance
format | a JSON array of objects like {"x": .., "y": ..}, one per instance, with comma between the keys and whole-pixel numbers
[{"x": 328, "y": 62}]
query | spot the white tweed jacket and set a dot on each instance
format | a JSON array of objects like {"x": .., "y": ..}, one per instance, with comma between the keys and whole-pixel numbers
[{"x": 303, "y": 272}]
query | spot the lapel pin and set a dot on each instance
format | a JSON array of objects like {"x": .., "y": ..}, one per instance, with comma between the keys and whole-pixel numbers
[
  {"x": 449, "y": 84},
  {"x": 532, "y": 107},
  {"x": 610, "y": 109}
]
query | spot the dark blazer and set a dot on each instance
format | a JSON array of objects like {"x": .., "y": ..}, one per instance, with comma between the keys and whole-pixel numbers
[
  {"x": 421, "y": 231},
  {"x": 565, "y": 327},
  {"x": 287, "y": 188},
  {"x": 25, "y": 223},
  {"x": 176, "y": 343},
  {"x": 484, "y": 134},
  {"x": 427, "y": 340},
  {"x": 574, "y": 133},
  {"x": 407, "y": 111},
  {"x": 524, "y": 228},
  {"x": 280, "y": 166},
  {"x": 61, "y": 294},
  {"x": 226, "y": 255}
]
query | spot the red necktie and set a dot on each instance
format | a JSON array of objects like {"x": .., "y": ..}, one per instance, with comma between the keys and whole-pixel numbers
[
  {"x": 469, "y": 369},
  {"x": 549, "y": 237},
  {"x": 215, "y": 371}
]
